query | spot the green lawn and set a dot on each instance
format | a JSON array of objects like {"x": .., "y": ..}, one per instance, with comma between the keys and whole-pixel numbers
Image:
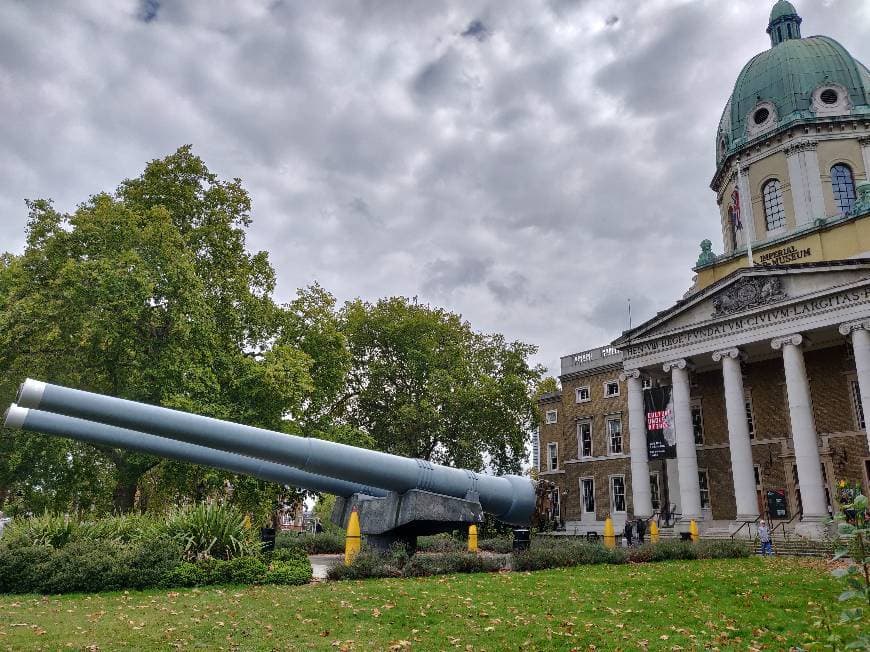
[{"x": 743, "y": 604}]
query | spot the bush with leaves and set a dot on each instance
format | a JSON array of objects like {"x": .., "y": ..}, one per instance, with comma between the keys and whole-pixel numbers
[
  {"x": 291, "y": 571},
  {"x": 854, "y": 528},
  {"x": 20, "y": 568},
  {"x": 558, "y": 554},
  {"x": 212, "y": 530},
  {"x": 502, "y": 545},
  {"x": 55, "y": 530}
]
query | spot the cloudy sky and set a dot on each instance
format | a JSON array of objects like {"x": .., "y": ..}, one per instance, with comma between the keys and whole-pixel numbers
[{"x": 531, "y": 164}]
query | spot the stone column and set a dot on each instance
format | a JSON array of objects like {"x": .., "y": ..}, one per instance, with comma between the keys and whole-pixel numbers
[
  {"x": 860, "y": 331},
  {"x": 640, "y": 488},
  {"x": 747, "y": 218},
  {"x": 687, "y": 458},
  {"x": 806, "y": 447},
  {"x": 738, "y": 435},
  {"x": 806, "y": 182},
  {"x": 865, "y": 152}
]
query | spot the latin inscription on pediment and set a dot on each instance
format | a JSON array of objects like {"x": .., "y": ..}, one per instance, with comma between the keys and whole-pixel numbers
[{"x": 749, "y": 293}]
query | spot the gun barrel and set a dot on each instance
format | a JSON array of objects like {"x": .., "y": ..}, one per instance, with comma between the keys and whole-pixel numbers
[
  {"x": 509, "y": 498},
  {"x": 101, "y": 434}
]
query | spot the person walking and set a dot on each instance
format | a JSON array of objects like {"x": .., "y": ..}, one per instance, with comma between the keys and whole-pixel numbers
[
  {"x": 627, "y": 532},
  {"x": 640, "y": 527},
  {"x": 764, "y": 537}
]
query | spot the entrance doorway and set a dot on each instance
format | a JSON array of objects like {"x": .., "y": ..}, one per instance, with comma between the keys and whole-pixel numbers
[{"x": 587, "y": 500}]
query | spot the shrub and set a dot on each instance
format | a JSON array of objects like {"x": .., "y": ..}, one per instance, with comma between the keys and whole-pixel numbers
[
  {"x": 441, "y": 543},
  {"x": 558, "y": 554},
  {"x": 186, "y": 574},
  {"x": 83, "y": 566},
  {"x": 451, "y": 562},
  {"x": 322, "y": 543},
  {"x": 294, "y": 572},
  {"x": 245, "y": 570},
  {"x": 290, "y": 541},
  {"x": 288, "y": 554},
  {"x": 19, "y": 568},
  {"x": 212, "y": 530},
  {"x": 723, "y": 549},
  {"x": 148, "y": 561},
  {"x": 366, "y": 564},
  {"x": 54, "y": 530},
  {"x": 667, "y": 550},
  {"x": 501, "y": 545}
]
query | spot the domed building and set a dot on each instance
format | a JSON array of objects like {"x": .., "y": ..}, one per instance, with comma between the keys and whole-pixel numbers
[{"x": 745, "y": 399}]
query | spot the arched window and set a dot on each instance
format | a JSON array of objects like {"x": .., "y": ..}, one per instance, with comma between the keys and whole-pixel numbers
[
  {"x": 774, "y": 213},
  {"x": 843, "y": 185}
]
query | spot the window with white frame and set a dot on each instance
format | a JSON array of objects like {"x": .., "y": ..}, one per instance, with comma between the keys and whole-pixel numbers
[
  {"x": 611, "y": 388},
  {"x": 551, "y": 416},
  {"x": 857, "y": 407},
  {"x": 697, "y": 422},
  {"x": 581, "y": 394},
  {"x": 704, "y": 485},
  {"x": 750, "y": 414},
  {"x": 584, "y": 439},
  {"x": 552, "y": 456},
  {"x": 617, "y": 493},
  {"x": 587, "y": 491},
  {"x": 614, "y": 435}
]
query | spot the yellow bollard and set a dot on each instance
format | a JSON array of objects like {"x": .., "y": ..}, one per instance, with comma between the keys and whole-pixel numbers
[
  {"x": 352, "y": 539},
  {"x": 472, "y": 538},
  {"x": 609, "y": 534},
  {"x": 653, "y": 532},
  {"x": 693, "y": 530}
]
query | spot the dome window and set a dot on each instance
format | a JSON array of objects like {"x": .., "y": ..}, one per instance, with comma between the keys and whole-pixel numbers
[
  {"x": 774, "y": 211},
  {"x": 761, "y": 116},
  {"x": 831, "y": 99},
  {"x": 843, "y": 187},
  {"x": 829, "y": 96}
]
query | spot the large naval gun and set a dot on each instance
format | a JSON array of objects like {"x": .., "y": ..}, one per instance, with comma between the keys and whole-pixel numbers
[{"x": 397, "y": 498}]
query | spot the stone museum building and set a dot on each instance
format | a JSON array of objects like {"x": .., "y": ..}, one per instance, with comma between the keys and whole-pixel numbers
[{"x": 744, "y": 398}]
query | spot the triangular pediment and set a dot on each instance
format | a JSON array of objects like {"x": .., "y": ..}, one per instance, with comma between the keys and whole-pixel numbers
[{"x": 751, "y": 290}]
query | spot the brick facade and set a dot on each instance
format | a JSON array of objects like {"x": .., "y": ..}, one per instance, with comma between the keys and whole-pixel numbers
[{"x": 843, "y": 446}]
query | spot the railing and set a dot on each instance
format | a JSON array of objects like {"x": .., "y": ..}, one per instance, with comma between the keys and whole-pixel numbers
[
  {"x": 782, "y": 525},
  {"x": 748, "y": 525}
]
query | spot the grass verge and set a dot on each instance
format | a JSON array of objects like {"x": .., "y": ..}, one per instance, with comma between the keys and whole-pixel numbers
[{"x": 726, "y": 604}]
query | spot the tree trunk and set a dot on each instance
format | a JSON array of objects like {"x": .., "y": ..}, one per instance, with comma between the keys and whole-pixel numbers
[{"x": 124, "y": 494}]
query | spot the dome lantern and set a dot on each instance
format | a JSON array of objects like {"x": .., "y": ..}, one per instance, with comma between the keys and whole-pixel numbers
[{"x": 785, "y": 24}]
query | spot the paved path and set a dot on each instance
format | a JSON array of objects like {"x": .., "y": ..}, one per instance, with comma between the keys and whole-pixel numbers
[{"x": 322, "y": 563}]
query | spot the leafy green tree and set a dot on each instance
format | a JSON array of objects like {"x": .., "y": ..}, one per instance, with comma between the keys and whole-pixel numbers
[
  {"x": 149, "y": 295},
  {"x": 424, "y": 384}
]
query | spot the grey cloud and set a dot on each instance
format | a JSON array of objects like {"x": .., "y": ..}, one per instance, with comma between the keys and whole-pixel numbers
[
  {"x": 444, "y": 276},
  {"x": 476, "y": 30},
  {"x": 148, "y": 10}
]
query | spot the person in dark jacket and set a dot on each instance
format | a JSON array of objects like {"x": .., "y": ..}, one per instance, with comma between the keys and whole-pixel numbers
[
  {"x": 640, "y": 527},
  {"x": 628, "y": 532}
]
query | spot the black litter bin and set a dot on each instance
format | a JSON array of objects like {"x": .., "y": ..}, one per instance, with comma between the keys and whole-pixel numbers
[
  {"x": 685, "y": 536},
  {"x": 592, "y": 536},
  {"x": 267, "y": 537},
  {"x": 522, "y": 539}
]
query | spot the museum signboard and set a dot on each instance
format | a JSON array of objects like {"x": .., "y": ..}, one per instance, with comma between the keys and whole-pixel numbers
[{"x": 660, "y": 435}]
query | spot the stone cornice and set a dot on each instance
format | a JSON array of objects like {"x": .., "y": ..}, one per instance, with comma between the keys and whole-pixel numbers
[
  {"x": 847, "y": 328},
  {"x": 800, "y": 146},
  {"x": 778, "y": 342}
]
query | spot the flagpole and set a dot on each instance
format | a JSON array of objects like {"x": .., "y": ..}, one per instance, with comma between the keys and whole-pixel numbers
[{"x": 750, "y": 228}]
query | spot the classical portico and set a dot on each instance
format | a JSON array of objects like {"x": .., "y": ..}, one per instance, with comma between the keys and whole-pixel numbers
[{"x": 769, "y": 315}]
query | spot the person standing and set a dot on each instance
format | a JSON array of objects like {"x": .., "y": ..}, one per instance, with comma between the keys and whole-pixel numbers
[
  {"x": 627, "y": 532},
  {"x": 764, "y": 537},
  {"x": 640, "y": 527}
]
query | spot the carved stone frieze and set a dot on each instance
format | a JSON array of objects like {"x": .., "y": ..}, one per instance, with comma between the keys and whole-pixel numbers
[
  {"x": 749, "y": 293},
  {"x": 801, "y": 146}
]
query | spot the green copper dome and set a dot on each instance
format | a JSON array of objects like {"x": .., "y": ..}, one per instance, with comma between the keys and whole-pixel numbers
[
  {"x": 796, "y": 80},
  {"x": 782, "y": 8}
]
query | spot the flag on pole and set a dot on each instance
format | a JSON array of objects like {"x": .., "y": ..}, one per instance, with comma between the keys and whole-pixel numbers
[{"x": 735, "y": 210}]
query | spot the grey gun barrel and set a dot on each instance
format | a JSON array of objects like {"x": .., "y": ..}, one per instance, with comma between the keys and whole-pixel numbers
[
  {"x": 101, "y": 434},
  {"x": 510, "y": 498}
]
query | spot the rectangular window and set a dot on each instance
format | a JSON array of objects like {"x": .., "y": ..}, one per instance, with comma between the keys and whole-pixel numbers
[
  {"x": 750, "y": 415},
  {"x": 698, "y": 422},
  {"x": 551, "y": 416},
  {"x": 704, "y": 484},
  {"x": 614, "y": 435},
  {"x": 584, "y": 438},
  {"x": 552, "y": 456},
  {"x": 617, "y": 493},
  {"x": 611, "y": 389},
  {"x": 857, "y": 407},
  {"x": 587, "y": 491},
  {"x": 581, "y": 394},
  {"x": 654, "y": 491}
]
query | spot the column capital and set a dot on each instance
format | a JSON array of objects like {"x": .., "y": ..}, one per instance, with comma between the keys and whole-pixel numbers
[
  {"x": 675, "y": 364},
  {"x": 733, "y": 353},
  {"x": 801, "y": 146},
  {"x": 848, "y": 327},
  {"x": 865, "y": 142},
  {"x": 629, "y": 373},
  {"x": 795, "y": 339}
]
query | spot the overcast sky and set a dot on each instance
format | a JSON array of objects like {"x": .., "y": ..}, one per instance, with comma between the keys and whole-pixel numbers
[{"x": 530, "y": 164}]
